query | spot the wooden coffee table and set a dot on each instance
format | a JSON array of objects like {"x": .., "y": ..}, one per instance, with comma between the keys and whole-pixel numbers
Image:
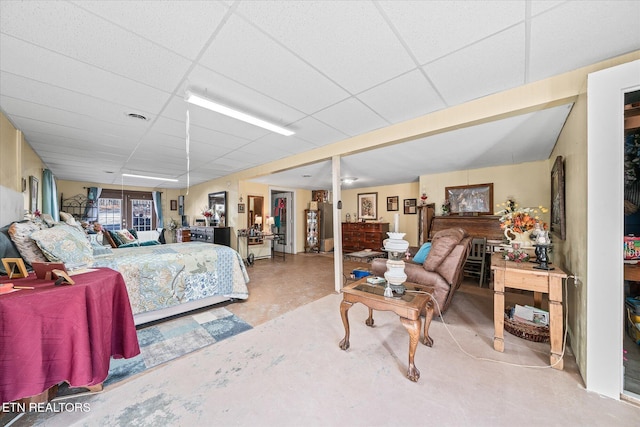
[{"x": 408, "y": 307}]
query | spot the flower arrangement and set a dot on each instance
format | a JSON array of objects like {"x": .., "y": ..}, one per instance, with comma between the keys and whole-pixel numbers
[
  {"x": 173, "y": 224},
  {"x": 446, "y": 207},
  {"x": 207, "y": 212},
  {"x": 520, "y": 219}
]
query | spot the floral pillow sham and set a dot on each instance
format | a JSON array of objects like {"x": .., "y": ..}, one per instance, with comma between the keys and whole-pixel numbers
[{"x": 64, "y": 243}]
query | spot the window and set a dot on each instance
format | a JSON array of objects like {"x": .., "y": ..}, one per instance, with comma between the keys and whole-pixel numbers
[{"x": 119, "y": 209}]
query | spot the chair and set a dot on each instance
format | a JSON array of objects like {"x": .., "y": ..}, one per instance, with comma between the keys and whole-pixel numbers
[{"x": 476, "y": 261}]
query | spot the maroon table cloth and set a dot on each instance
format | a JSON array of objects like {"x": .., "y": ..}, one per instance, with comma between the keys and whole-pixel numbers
[{"x": 66, "y": 333}]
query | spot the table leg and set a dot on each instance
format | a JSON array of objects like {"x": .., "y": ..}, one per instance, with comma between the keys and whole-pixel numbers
[
  {"x": 498, "y": 310},
  {"x": 537, "y": 299},
  {"x": 369, "y": 321},
  {"x": 556, "y": 322},
  {"x": 427, "y": 340},
  {"x": 413, "y": 327},
  {"x": 344, "y": 313}
]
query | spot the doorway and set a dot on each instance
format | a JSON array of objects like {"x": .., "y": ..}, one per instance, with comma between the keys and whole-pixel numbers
[
  {"x": 631, "y": 312},
  {"x": 281, "y": 210}
]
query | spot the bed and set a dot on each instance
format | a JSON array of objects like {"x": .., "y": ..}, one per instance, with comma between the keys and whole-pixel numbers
[
  {"x": 165, "y": 280},
  {"x": 162, "y": 280}
]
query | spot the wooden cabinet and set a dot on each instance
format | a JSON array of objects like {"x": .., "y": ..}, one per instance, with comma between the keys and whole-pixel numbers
[
  {"x": 183, "y": 235},
  {"x": 312, "y": 230},
  {"x": 425, "y": 215},
  {"x": 357, "y": 236},
  {"x": 218, "y": 235}
]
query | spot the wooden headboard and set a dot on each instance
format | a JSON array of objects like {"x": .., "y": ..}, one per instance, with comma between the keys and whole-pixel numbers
[{"x": 477, "y": 226}]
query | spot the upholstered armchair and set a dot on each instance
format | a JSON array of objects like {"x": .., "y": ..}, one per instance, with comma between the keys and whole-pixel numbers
[{"x": 442, "y": 269}]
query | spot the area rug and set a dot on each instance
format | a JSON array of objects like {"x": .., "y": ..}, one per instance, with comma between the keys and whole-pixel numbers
[{"x": 169, "y": 340}]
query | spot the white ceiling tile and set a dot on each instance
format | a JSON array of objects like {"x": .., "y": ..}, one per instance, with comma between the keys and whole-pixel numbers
[
  {"x": 540, "y": 6},
  {"x": 351, "y": 117},
  {"x": 18, "y": 87},
  {"x": 59, "y": 117},
  {"x": 316, "y": 132},
  {"x": 288, "y": 144},
  {"x": 360, "y": 51},
  {"x": 71, "y": 133},
  {"x": 493, "y": 65},
  {"x": 41, "y": 65},
  {"x": 244, "y": 54},
  {"x": 572, "y": 35},
  {"x": 92, "y": 40},
  {"x": 181, "y": 26},
  {"x": 433, "y": 29},
  {"x": 403, "y": 98}
]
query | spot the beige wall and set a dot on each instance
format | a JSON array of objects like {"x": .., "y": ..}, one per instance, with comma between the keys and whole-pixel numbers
[
  {"x": 572, "y": 252},
  {"x": 408, "y": 223},
  {"x": 529, "y": 183},
  {"x": 18, "y": 161}
]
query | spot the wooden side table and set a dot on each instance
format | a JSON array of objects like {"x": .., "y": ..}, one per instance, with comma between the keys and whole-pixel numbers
[
  {"x": 408, "y": 307},
  {"x": 509, "y": 274}
]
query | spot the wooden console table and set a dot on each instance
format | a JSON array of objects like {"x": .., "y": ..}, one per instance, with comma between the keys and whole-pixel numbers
[{"x": 524, "y": 276}]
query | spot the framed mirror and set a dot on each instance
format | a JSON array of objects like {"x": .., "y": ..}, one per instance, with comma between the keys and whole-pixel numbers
[
  {"x": 218, "y": 202},
  {"x": 255, "y": 215}
]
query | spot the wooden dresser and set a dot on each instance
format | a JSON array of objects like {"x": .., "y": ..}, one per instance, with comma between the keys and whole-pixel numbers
[
  {"x": 477, "y": 226},
  {"x": 357, "y": 236}
]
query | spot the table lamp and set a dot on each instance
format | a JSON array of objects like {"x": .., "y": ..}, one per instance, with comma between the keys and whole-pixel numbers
[
  {"x": 395, "y": 246},
  {"x": 271, "y": 223},
  {"x": 258, "y": 223}
]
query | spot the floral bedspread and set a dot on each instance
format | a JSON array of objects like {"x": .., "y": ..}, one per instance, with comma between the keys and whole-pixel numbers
[{"x": 163, "y": 276}]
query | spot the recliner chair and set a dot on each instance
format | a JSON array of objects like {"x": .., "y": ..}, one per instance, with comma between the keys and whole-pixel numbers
[{"x": 442, "y": 269}]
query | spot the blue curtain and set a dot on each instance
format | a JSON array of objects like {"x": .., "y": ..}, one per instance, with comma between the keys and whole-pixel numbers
[
  {"x": 50, "y": 195},
  {"x": 91, "y": 210},
  {"x": 157, "y": 205}
]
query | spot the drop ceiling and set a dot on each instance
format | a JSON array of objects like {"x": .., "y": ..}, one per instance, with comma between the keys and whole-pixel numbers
[{"x": 72, "y": 71}]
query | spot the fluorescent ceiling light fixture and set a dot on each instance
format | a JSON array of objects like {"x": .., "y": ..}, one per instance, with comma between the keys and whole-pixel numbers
[
  {"x": 149, "y": 177},
  {"x": 348, "y": 180},
  {"x": 198, "y": 100}
]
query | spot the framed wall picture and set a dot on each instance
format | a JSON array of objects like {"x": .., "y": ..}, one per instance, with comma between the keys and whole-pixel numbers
[
  {"x": 558, "y": 226},
  {"x": 470, "y": 199},
  {"x": 410, "y": 206},
  {"x": 392, "y": 203},
  {"x": 240, "y": 207},
  {"x": 174, "y": 205},
  {"x": 367, "y": 206},
  {"x": 33, "y": 193}
]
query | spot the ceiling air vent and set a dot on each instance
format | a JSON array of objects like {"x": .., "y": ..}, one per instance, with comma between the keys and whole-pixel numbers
[{"x": 137, "y": 116}]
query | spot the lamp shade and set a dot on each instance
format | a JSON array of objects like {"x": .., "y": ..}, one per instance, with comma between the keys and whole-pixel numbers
[{"x": 259, "y": 220}]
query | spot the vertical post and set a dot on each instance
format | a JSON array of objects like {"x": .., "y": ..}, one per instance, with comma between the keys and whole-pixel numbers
[{"x": 337, "y": 223}]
